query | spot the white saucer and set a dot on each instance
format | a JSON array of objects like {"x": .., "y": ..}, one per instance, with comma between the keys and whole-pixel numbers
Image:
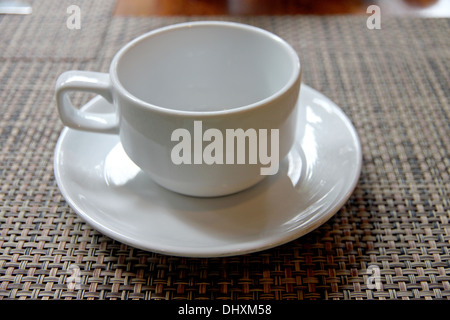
[{"x": 112, "y": 195}]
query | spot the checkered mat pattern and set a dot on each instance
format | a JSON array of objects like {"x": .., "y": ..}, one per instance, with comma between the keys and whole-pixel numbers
[{"x": 394, "y": 230}]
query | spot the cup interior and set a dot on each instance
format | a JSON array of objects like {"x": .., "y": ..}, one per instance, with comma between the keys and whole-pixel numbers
[{"x": 206, "y": 66}]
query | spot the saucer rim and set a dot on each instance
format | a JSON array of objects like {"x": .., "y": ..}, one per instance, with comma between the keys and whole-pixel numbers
[{"x": 226, "y": 250}]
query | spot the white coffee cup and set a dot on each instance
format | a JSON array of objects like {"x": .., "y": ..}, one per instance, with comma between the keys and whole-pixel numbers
[{"x": 219, "y": 75}]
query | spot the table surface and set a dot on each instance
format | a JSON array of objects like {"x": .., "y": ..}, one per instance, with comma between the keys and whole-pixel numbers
[
  {"x": 418, "y": 8},
  {"x": 393, "y": 83}
]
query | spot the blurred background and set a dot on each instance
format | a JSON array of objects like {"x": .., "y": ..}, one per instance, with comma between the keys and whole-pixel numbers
[
  {"x": 424, "y": 8},
  {"x": 419, "y": 8}
]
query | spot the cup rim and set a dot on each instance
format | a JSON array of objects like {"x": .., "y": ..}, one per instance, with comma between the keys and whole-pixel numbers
[{"x": 147, "y": 105}]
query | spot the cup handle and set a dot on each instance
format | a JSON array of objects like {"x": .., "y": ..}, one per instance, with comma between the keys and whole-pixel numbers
[{"x": 88, "y": 81}]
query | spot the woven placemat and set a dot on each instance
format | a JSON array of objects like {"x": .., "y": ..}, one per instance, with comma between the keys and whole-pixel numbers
[
  {"x": 389, "y": 241},
  {"x": 56, "y": 29}
]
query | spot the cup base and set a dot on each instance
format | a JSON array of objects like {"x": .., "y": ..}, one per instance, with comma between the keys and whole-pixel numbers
[{"x": 199, "y": 192}]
